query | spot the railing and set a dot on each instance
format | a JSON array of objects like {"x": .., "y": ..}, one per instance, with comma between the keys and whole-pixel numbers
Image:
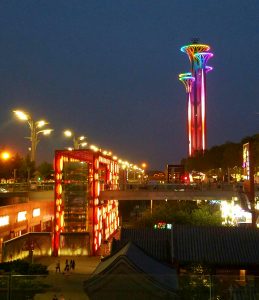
[
  {"x": 184, "y": 287},
  {"x": 235, "y": 187},
  {"x": 25, "y": 187},
  {"x": 182, "y": 187}
]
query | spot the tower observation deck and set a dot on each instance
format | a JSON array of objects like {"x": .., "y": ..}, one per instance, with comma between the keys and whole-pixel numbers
[{"x": 195, "y": 85}]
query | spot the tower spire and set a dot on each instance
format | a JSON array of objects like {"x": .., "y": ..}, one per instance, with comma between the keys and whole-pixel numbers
[{"x": 195, "y": 85}]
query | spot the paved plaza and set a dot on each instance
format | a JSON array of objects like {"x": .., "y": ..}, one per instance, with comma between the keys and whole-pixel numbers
[{"x": 67, "y": 285}]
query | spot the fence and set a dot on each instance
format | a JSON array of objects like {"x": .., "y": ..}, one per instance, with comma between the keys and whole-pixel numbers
[{"x": 132, "y": 286}]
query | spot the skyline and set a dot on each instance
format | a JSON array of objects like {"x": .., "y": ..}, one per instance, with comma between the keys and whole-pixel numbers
[{"x": 109, "y": 71}]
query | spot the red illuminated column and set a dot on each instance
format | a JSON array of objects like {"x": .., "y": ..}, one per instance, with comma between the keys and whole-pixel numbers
[
  {"x": 96, "y": 187},
  {"x": 58, "y": 204}
]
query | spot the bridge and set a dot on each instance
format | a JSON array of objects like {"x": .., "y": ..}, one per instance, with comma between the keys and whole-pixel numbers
[
  {"x": 134, "y": 191},
  {"x": 174, "y": 192}
]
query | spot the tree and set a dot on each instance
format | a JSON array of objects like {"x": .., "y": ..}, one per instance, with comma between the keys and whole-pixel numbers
[
  {"x": 45, "y": 171},
  {"x": 182, "y": 213}
]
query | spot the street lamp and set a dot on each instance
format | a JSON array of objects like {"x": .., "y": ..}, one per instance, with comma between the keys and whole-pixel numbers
[
  {"x": 5, "y": 155},
  {"x": 77, "y": 141},
  {"x": 35, "y": 127}
]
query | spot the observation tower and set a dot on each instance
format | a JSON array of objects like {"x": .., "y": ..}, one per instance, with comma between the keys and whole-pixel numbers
[{"x": 195, "y": 85}]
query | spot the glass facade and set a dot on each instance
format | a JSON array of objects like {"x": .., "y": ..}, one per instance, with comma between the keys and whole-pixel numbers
[{"x": 75, "y": 196}]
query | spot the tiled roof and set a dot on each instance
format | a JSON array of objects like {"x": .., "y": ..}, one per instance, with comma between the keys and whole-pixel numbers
[
  {"x": 156, "y": 243},
  {"x": 145, "y": 233},
  {"x": 216, "y": 245},
  {"x": 140, "y": 262}
]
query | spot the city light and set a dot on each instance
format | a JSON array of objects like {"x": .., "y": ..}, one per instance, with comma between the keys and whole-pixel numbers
[
  {"x": 35, "y": 127},
  {"x": 78, "y": 142},
  {"x": 5, "y": 155}
]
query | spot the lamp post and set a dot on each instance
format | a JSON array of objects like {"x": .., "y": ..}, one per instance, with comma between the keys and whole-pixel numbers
[
  {"x": 35, "y": 127},
  {"x": 77, "y": 141}
]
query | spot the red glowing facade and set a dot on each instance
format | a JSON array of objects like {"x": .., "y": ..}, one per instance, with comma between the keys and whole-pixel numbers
[
  {"x": 80, "y": 176},
  {"x": 195, "y": 85}
]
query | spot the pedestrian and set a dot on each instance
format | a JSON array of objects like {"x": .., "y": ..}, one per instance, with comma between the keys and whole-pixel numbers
[
  {"x": 73, "y": 264},
  {"x": 58, "y": 266},
  {"x": 66, "y": 266}
]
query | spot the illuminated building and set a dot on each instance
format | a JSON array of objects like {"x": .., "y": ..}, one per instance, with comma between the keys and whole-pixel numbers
[
  {"x": 80, "y": 175},
  {"x": 22, "y": 214},
  {"x": 195, "y": 85}
]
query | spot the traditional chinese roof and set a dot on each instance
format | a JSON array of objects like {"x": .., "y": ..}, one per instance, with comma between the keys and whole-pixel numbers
[
  {"x": 131, "y": 269},
  {"x": 157, "y": 243},
  {"x": 216, "y": 245}
]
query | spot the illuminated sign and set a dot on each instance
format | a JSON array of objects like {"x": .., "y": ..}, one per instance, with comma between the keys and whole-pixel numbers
[
  {"x": 163, "y": 225},
  {"x": 21, "y": 216},
  {"x": 36, "y": 212}
]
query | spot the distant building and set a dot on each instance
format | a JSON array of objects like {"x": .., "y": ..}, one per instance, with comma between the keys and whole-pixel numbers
[
  {"x": 155, "y": 176},
  {"x": 175, "y": 174}
]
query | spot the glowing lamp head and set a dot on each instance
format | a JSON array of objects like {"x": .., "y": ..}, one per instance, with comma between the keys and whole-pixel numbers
[
  {"x": 41, "y": 123},
  {"x": 47, "y": 131},
  {"x": 68, "y": 133},
  {"x": 21, "y": 115},
  {"x": 5, "y": 155}
]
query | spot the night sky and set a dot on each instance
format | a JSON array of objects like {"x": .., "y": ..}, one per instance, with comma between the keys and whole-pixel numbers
[{"x": 109, "y": 70}]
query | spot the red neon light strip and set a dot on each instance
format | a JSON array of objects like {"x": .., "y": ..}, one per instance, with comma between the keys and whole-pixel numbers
[
  {"x": 190, "y": 124},
  {"x": 203, "y": 109}
]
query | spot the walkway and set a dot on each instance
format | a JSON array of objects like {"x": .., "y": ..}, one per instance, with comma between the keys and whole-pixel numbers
[{"x": 69, "y": 285}]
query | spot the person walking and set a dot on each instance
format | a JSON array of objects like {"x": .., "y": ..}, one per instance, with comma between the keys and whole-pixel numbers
[
  {"x": 73, "y": 264},
  {"x": 58, "y": 266},
  {"x": 66, "y": 266}
]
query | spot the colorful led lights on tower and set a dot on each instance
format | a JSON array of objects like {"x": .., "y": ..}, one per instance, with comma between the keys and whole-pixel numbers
[{"x": 195, "y": 85}]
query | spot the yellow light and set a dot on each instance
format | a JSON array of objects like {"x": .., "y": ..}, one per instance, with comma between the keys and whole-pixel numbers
[
  {"x": 4, "y": 220},
  {"x": 94, "y": 148},
  {"x": 143, "y": 165},
  {"x": 47, "y": 131},
  {"x": 21, "y": 115},
  {"x": 5, "y": 155},
  {"x": 41, "y": 123},
  {"x": 68, "y": 133},
  {"x": 36, "y": 212},
  {"x": 21, "y": 216}
]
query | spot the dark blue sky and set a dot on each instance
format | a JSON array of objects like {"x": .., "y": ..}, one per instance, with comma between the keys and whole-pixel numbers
[{"x": 109, "y": 70}]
